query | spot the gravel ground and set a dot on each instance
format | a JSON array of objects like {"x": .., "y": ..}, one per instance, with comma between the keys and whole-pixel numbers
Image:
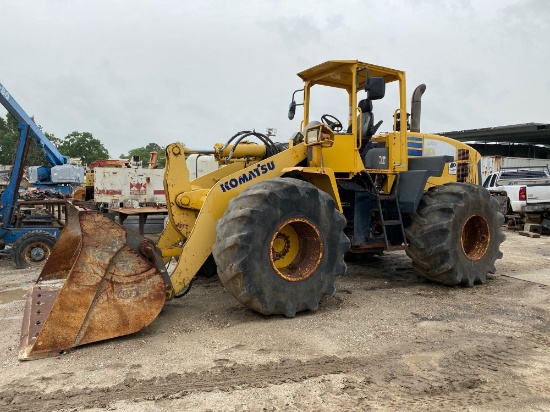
[{"x": 386, "y": 340}]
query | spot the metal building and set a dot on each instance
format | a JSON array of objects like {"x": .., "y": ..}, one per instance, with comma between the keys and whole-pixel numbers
[{"x": 529, "y": 140}]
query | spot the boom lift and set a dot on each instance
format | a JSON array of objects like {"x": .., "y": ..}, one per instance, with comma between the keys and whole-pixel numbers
[
  {"x": 277, "y": 220},
  {"x": 31, "y": 245}
]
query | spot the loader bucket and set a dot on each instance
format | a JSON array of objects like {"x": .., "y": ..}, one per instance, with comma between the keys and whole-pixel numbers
[{"x": 100, "y": 281}]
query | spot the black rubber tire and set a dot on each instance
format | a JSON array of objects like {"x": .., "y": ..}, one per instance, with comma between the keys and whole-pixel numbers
[
  {"x": 455, "y": 237},
  {"x": 22, "y": 248},
  {"x": 509, "y": 210},
  {"x": 243, "y": 251},
  {"x": 208, "y": 268}
]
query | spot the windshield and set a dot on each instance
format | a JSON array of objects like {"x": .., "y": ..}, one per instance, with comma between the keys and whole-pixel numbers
[
  {"x": 329, "y": 100},
  {"x": 524, "y": 174}
]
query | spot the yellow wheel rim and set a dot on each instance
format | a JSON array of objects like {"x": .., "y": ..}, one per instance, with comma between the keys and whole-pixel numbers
[
  {"x": 475, "y": 237},
  {"x": 296, "y": 249}
]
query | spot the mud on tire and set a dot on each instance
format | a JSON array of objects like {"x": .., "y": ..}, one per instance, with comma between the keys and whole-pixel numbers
[
  {"x": 456, "y": 234},
  {"x": 280, "y": 245}
]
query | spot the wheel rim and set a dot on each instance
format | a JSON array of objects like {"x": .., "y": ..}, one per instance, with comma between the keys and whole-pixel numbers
[
  {"x": 475, "y": 237},
  {"x": 296, "y": 250},
  {"x": 36, "y": 253}
]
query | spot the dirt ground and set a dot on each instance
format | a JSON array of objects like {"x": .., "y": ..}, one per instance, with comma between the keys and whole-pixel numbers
[{"x": 387, "y": 340}]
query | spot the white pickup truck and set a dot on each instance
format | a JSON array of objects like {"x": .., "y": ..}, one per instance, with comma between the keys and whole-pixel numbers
[{"x": 526, "y": 189}]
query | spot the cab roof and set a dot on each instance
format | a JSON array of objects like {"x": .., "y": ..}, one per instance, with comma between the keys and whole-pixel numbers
[{"x": 338, "y": 73}]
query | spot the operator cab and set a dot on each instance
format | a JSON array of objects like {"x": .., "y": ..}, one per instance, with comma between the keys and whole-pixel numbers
[
  {"x": 345, "y": 80},
  {"x": 342, "y": 92}
]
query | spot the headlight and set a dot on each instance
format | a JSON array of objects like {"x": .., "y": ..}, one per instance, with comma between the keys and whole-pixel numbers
[{"x": 312, "y": 136}]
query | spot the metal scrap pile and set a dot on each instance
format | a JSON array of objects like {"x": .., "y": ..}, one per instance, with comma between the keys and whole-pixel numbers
[{"x": 40, "y": 194}]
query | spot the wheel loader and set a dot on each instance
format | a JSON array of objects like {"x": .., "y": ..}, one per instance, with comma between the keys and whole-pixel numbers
[{"x": 277, "y": 219}]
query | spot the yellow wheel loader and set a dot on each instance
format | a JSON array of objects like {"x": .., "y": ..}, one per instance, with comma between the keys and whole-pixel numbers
[{"x": 276, "y": 220}]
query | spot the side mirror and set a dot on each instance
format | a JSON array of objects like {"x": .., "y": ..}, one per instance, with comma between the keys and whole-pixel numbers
[
  {"x": 291, "y": 110},
  {"x": 375, "y": 88}
]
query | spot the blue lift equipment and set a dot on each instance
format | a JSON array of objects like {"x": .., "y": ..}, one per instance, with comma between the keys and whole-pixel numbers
[{"x": 31, "y": 245}]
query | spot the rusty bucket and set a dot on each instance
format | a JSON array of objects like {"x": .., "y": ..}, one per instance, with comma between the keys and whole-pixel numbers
[{"x": 100, "y": 281}]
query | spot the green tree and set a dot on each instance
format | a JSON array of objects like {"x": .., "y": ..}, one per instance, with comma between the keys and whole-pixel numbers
[
  {"x": 9, "y": 136},
  {"x": 9, "y": 139},
  {"x": 76, "y": 144},
  {"x": 82, "y": 145},
  {"x": 145, "y": 154}
]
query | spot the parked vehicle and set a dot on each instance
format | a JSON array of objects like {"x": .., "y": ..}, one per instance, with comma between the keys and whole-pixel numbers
[
  {"x": 494, "y": 164},
  {"x": 200, "y": 164},
  {"x": 525, "y": 189}
]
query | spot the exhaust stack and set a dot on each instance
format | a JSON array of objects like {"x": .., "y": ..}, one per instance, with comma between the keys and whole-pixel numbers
[{"x": 416, "y": 107}]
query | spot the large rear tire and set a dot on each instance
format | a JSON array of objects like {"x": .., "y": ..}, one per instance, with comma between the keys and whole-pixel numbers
[
  {"x": 280, "y": 245},
  {"x": 456, "y": 234}
]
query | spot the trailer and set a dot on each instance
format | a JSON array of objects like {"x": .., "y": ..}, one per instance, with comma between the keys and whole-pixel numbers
[
  {"x": 115, "y": 185},
  {"x": 200, "y": 164},
  {"x": 136, "y": 185}
]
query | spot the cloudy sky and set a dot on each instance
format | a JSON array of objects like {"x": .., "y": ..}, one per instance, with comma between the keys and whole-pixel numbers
[{"x": 140, "y": 71}]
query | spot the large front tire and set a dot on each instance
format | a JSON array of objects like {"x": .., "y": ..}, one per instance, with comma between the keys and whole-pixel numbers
[
  {"x": 280, "y": 245},
  {"x": 456, "y": 234}
]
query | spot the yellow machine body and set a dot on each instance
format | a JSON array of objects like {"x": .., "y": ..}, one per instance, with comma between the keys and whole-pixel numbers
[
  {"x": 132, "y": 278},
  {"x": 194, "y": 207}
]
